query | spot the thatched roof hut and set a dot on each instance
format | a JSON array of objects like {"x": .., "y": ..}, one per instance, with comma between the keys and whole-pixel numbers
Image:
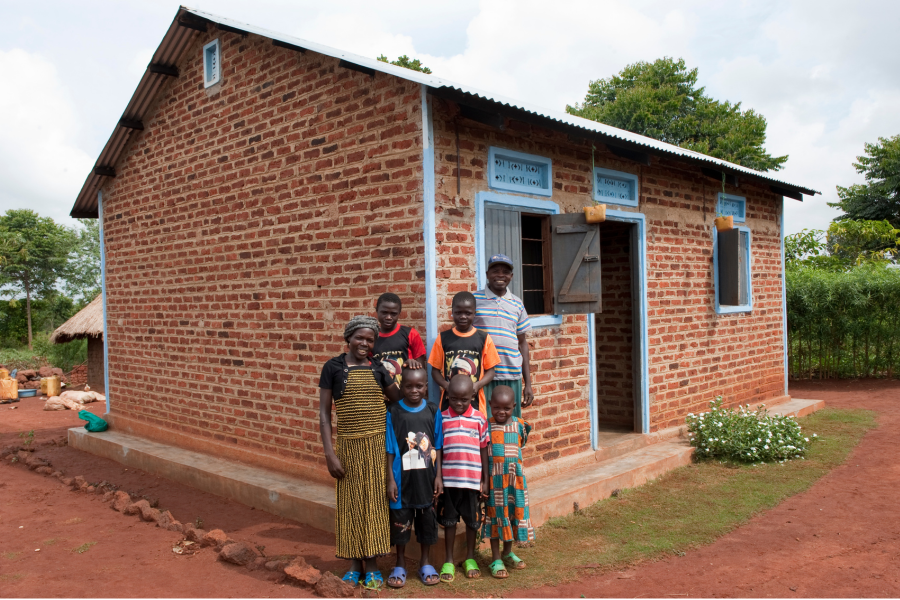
[{"x": 87, "y": 323}]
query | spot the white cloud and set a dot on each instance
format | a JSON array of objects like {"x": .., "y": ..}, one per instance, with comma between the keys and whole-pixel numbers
[{"x": 40, "y": 166}]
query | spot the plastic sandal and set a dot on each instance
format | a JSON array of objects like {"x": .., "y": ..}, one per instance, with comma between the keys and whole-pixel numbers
[
  {"x": 373, "y": 581},
  {"x": 397, "y": 573},
  {"x": 428, "y": 571},
  {"x": 352, "y": 577},
  {"x": 498, "y": 567},
  {"x": 448, "y": 572},
  {"x": 514, "y": 561},
  {"x": 469, "y": 566}
]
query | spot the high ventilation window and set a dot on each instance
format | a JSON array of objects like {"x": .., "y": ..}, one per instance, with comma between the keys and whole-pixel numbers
[
  {"x": 615, "y": 187},
  {"x": 736, "y": 206},
  {"x": 212, "y": 64},
  {"x": 518, "y": 172}
]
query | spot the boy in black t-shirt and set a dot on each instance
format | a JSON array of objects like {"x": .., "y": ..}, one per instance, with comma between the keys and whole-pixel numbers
[
  {"x": 397, "y": 346},
  {"x": 464, "y": 350},
  {"x": 414, "y": 441}
]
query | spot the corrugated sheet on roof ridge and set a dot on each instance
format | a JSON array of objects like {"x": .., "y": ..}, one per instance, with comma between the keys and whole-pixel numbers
[{"x": 177, "y": 39}]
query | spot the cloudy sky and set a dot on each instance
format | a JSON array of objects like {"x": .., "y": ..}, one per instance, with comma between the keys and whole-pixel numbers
[{"x": 825, "y": 74}]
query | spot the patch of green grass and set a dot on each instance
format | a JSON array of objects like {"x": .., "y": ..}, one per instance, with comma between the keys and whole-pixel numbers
[
  {"x": 51, "y": 541},
  {"x": 681, "y": 510},
  {"x": 10, "y": 577},
  {"x": 84, "y": 547},
  {"x": 11, "y": 555}
]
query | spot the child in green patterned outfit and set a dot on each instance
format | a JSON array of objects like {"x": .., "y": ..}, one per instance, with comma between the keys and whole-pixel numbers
[{"x": 506, "y": 511}]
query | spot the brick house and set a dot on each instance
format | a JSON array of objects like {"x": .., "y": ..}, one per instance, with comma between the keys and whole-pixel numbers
[{"x": 259, "y": 190}]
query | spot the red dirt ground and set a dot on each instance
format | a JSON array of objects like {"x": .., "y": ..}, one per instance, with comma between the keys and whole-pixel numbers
[{"x": 840, "y": 538}]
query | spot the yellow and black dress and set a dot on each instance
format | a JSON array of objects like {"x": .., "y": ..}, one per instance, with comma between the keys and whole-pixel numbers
[{"x": 362, "y": 524}]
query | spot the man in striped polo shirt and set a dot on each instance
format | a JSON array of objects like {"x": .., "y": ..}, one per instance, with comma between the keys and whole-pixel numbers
[{"x": 502, "y": 314}]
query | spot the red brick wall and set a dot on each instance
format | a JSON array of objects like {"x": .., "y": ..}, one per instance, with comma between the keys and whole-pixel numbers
[
  {"x": 247, "y": 223},
  {"x": 613, "y": 329},
  {"x": 694, "y": 354}
]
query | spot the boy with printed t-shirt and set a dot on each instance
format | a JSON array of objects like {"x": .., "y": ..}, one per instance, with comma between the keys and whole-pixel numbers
[
  {"x": 414, "y": 441},
  {"x": 464, "y": 470},
  {"x": 464, "y": 350},
  {"x": 397, "y": 346}
]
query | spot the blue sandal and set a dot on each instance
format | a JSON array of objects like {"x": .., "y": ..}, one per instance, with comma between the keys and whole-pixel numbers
[
  {"x": 397, "y": 573},
  {"x": 428, "y": 571},
  {"x": 373, "y": 581},
  {"x": 352, "y": 577}
]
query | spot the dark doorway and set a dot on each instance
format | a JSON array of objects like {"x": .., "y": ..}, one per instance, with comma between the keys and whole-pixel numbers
[{"x": 615, "y": 328}]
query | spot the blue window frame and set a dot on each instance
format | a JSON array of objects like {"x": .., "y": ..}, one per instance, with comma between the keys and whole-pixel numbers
[
  {"x": 212, "y": 64},
  {"x": 735, "y": 206},
  {"x": 738, "y": 276},
  {"x": 490, "y": 208},
  {"x": 513, "y": 171},
  {"x": 615, "y": 187}
]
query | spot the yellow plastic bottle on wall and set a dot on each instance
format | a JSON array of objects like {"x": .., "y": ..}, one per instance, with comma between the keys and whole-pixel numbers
[{"x": 4, "y": 374}]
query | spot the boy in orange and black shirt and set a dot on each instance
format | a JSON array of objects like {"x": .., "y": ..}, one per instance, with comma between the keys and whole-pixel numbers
[{"x": 466, "y": 350}]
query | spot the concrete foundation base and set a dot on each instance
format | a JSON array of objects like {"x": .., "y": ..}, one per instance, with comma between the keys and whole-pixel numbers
[{"x": 627, "y": 462}]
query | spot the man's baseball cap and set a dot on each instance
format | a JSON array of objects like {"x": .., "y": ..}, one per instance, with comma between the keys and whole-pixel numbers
[{"x": 500, "y": 259}]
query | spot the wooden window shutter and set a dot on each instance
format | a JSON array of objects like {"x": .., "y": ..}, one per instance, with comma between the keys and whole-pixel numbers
[
  {"x": 744, "y": 268},
  {"x": 503, "y": 235},
  {"x": 729, "y": 263},
  {"x": 576, "y": 265}
]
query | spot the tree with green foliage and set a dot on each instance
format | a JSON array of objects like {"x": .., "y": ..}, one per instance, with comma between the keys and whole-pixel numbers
[
  {"x": 846, "y": 244},
  {"x": 406, "y": 62},
  {"x": 879, "y": 198},
  {"x": 661, "y": 100},
  {"x": 82, "y": 279},
  {"x": 35, "y": 256}
]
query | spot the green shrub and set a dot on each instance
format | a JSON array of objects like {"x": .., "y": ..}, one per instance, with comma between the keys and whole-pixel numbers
[
  {"x": 843, "y": 324},
  {"x": 744, "y": 435},
  {"x": 64, "y": 356}
]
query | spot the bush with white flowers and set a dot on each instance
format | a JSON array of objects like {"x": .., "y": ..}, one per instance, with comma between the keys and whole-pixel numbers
[{"x": 744, "y": 435}]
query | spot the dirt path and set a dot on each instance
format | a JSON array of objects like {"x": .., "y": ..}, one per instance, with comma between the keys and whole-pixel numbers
[
  {"x": 841, "y": 538},
  {"x": 130, "y": 558}
]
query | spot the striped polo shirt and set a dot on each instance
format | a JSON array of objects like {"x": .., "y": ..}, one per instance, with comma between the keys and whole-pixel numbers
[
  {"x": 464, "y": 437},
  {"x": 504, "y": 318}
]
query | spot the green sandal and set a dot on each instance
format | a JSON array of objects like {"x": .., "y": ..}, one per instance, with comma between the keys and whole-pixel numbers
[
  {"x": 515, "y": 562},
  {"x": 469, "y": 566},
  {"x": 448, "y": 572},
  {"x": 498, "y": 567}
]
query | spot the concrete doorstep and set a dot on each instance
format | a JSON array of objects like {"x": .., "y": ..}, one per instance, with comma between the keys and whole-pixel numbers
[{"x": 313, "y": 503}]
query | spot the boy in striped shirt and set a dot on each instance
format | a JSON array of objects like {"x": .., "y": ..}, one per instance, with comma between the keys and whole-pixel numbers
[
  {"x": 464, "y": 470},
  {"x": 502, "y": 315}
]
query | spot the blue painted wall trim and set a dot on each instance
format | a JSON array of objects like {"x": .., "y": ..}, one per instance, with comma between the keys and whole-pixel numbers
[
  {"x": 640, "y": 222},
  {"x": 592, "y": 377},
  {"x": 545, "y": 165},
  {"x": 724, "y": 310},
  {"x": 783, "y": 299},
  {"x": 532, "y": 204},
  {"x": 105, "y": 300},
  {"x": 628, "y": 178},
  {"x": 429, "y": 235}
]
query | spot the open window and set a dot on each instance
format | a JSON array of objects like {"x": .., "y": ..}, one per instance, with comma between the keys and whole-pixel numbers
[
  {"x": 556, "y": 257},
  {"x": 731, "y": 264},
  {"x": 525, "y": 237}
]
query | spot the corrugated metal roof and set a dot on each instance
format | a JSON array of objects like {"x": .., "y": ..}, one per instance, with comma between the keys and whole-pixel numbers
[{"x": 178, "y": 38}]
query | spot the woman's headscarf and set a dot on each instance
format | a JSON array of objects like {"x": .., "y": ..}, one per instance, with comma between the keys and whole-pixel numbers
[{"x": 360, "y": 322}]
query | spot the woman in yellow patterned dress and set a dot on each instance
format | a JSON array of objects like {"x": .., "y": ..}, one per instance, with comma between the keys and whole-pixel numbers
[{"x": 356, "y": 386}]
